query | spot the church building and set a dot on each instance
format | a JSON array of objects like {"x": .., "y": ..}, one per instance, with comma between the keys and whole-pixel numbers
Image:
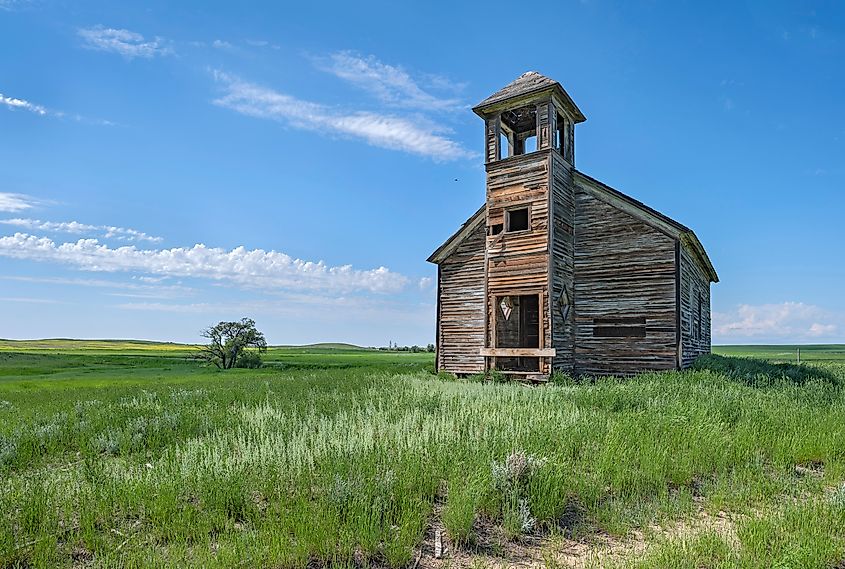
[{"x": 558, "y": 271}]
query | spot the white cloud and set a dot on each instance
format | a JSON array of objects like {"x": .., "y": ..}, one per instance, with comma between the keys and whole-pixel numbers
[
  {"x": 12, "y": 5},
  {"x": 221, "y": 44},
  {"x": 787, "y": 321},
  {"x": 16, "y": 299},
  {"x": 145, "y": 287},
  {"x": 262, "y": 43},
  {"x": 16, "y": 202},
  {"x": 416, "y": 136},
  {"x": 390, "y": 84},
  {"x": 426, "y": 283},
  {"x": 125, "y": 42},
  {"x": 74, "y": 227},
  {"x": 14, "y": 103},
  {"x": 255, "y": 268}
]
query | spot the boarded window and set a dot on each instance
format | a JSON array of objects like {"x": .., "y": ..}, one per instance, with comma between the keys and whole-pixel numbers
[
  {"x": 517, "y": 219},
  {"x": 621, "y": 327},
  {"x": 698, "y": 318}
]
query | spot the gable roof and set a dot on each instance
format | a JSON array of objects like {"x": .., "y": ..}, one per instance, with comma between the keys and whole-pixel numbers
[
  {"x": 528, "y": 83},
  {"x": 459, "y": 236},
  {"x": 651, "y": 216},
  {"x": 616, "y": 198}
]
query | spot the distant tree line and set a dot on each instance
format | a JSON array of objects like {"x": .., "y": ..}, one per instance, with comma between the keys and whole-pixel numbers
[{"x": 414, "y": 349}]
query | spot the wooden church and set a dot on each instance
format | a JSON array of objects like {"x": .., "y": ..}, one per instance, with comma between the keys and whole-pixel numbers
[{"x": 558, "y": 271}]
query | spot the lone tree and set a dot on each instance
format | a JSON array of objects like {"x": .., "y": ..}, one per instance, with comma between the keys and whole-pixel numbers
[{"x": 228, "y": 343}]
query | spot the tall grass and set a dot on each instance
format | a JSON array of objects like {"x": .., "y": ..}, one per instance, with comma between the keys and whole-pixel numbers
[{"x": 287, "y": 468}]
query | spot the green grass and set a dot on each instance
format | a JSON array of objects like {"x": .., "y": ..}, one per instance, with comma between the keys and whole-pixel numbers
[{"x": 339, "y": 455}]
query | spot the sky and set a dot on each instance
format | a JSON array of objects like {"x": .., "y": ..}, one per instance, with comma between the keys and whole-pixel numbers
[{"x": 164, "y": 166}]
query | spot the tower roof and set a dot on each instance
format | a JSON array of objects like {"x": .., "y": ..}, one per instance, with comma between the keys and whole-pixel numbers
[{"x": 528, "y": 83}]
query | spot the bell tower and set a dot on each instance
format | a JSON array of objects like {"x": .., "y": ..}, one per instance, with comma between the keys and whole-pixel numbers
[{"x": 528, "y": 267}]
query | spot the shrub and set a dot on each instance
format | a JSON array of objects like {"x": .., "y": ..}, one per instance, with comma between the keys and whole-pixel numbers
[
  {"x": 249, "y": 359},
  {"x": 510, "y": 480}
]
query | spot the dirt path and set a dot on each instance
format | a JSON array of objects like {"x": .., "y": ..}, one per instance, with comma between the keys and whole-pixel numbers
[{"x": 494, "y": 551}]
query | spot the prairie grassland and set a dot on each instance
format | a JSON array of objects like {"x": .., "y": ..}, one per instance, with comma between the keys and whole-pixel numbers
[{"x": 348, "y": 457}]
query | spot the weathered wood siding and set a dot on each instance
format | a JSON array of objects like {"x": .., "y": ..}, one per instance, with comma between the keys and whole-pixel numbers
[
  {"x": 694, "y": 282},
  {"x": 563, "y": 269},
  {"x": 624, "y": 268},
  {"x": 518, "y": 263},
  {"x": 461, "y": 305}
]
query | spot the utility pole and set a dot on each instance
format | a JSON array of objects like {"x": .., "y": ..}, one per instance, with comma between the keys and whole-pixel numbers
[{"x": 799, "y": 356}]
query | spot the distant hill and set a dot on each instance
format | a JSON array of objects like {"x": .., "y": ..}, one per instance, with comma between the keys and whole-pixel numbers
[
  {"x": 322, "y": 346},
  {"x": 143, "y": 345}
]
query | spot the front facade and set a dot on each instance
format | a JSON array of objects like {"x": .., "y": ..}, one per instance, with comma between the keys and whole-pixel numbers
[{"x": 559, "y": 271}]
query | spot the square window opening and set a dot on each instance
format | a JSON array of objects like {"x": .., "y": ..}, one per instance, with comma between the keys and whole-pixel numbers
[
  {"x": 496, "y": 228},
  {"x": 517, "y": 220}
]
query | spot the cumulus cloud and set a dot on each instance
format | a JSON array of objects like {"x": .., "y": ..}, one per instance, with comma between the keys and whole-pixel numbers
[
  {"x": 16, "y": 202},
  {"x": 74, "y": 227},
  {"x": 426, "y": 283},
  {"x": 240, "y": 266},
  {"x": 127, "y": 43},
  {"x": 384, "y": 131},
  {"x": 787, "y": 321},
  {"x": 390, "y": 84}
]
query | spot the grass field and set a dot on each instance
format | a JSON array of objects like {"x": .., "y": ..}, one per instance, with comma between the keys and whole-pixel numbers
[{"x": 126, "y": 454}]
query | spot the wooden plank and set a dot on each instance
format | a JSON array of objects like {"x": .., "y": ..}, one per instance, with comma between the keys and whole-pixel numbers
[{"x": 518, "y": 352}]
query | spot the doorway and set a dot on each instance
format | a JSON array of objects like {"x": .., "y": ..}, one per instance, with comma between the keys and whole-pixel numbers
[{"x": 518, "y": 326}]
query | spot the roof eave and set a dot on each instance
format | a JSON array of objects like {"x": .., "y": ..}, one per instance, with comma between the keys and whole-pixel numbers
[
  {"x": 458, "y": 237},
  {"x": 661, "y": 222},
  {"x": 485, "y": 110}
]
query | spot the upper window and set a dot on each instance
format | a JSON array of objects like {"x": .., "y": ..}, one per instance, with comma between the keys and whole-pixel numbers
[
  {"x": 518, "y": 131},
  {"x": 517, "y": 220}
]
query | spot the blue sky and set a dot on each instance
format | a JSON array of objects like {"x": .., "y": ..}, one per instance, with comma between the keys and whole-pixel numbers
[{"x": 168, "y": 165}]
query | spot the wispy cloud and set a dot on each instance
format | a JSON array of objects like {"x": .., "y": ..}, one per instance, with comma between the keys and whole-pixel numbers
[
  {"x": 127, "y": 43},
  {"x": 16, "y": 202},
  {"x": 787, "y": 321},
  {"x": 76, "y": 228},
  {"x": 22, "y": 104},
  {"x": 142, "y": 287},
  {"x": 262, "y": 43},
  {"x": 221, "y": 44},
  {"x": 255, "y": 268},
  {"x": 16, "y": 299},
  {"x": 15, "y": 104},
  {"x": 12, "y": 5},
  {"x": 390, "y": 84},
  {"x": 384, "y": 131}
]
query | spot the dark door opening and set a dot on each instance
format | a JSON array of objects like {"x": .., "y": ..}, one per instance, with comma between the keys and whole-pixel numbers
[{"x": 518, "y": 326}]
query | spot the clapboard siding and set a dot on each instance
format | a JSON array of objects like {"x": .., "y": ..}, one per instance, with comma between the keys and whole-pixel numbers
[
  {"x": 461, "y": 301},
  {"x": 623, "y": 268},
  {"x": 693, "y": 282},
  {"x": 519, "y": 262},
  {"x": 563, "y": 269}
]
